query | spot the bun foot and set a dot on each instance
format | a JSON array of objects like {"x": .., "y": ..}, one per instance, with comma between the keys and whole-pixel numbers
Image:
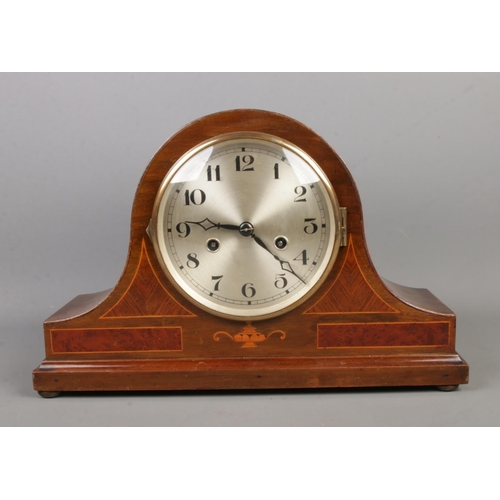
[
  {"x": 447, "y": 388},
  {"x": 49, "y": 394}
]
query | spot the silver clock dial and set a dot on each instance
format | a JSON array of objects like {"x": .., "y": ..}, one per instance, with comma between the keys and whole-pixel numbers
[{"x": 246, "y": 225}]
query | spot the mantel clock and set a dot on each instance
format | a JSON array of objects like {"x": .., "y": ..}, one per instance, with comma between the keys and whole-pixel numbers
[{"x": 248, "y": 269}]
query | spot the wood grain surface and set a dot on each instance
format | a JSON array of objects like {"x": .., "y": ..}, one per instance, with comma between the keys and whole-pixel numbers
[{"x": 356, "y": 330}]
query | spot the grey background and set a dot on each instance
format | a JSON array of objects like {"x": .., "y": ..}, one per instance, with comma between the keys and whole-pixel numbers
[{"x": 423, "y": 150}]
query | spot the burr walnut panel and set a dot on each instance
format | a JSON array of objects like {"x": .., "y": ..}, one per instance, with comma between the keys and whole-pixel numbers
[
  {"x": 383, "y": 334},
  {"x": 116, "y": 340}
]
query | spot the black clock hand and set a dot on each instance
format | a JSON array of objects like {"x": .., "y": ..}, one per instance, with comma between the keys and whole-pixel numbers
[
  {"x": 285, "y": 265},
  {"x": 246, "y": 229},
  {"x": 207, "y": 224}
]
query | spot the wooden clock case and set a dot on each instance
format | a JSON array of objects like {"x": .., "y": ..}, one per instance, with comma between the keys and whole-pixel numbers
[{"x": 357, "y": 330}]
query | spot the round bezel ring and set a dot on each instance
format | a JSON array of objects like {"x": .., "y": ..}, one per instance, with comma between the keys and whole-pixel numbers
[{"x": 156, "y": 232}]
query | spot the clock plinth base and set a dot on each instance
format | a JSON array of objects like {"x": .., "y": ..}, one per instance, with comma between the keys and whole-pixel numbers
[{"x": 251, "y": 373}]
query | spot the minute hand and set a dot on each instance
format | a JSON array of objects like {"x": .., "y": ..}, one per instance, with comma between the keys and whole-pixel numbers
[{"x": 285, "y": 265}]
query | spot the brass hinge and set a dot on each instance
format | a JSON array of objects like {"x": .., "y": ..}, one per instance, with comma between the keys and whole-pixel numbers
[{"x": 343, "y": 226}]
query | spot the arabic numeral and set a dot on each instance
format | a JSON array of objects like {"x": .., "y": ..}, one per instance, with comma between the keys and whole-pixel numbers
[
  {"x": 302, "y": 257},
  {"x": 216, "y": 175},
  {"x": 217, "y": 280},
  {"x": 183, "y": 229},
  {"x": 310, "y": 227},
  {"x": 300, "y": 191},
  {"x": 243, "y": 163},
  {"x": 196, "y": 197},
  {"x": 281, "y": 281},
  {"x": 192, "y": 261},
  {"x": 248, "y": 290}
]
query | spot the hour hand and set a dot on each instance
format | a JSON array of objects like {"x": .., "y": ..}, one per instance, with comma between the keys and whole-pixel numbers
[{"x": 207, "y": 224}]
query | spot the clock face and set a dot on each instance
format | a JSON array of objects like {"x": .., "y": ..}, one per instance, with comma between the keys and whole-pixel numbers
[{"x": 246, "y": 225}]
